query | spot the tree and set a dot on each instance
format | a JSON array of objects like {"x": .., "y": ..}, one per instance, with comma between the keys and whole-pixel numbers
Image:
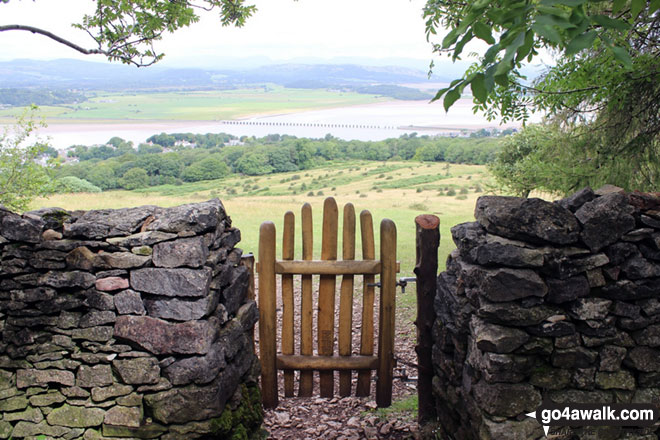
[
  {"x": 206, "y": 169},
  {"x": 126, "y": 30},
  {"x": 603, "y": 94},
  {"x": 135, "y": 178},
  {"x": 21, "y": 177}
]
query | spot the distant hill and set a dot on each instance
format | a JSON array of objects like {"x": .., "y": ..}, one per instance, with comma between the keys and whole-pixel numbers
[{"x": 75, "y": 74}]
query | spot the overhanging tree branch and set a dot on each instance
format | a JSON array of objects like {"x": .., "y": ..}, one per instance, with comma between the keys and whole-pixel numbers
[{"x": 52, "y": 36}]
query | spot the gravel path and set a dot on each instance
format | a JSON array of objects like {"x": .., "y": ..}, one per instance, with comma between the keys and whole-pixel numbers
[{"x": 350, "y": 418}]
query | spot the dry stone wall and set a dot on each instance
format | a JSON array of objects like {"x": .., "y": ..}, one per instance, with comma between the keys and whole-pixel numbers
[
  {"x": 129, "y": 323},
  {"x": 556, "y": 301}
]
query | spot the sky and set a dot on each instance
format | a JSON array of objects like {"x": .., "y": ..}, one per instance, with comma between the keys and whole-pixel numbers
[{"x": 280, "y": 30}]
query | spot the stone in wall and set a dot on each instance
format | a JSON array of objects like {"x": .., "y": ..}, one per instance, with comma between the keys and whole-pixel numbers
[
  {"x": 543, "y": 300},
  {"x": 130, "y": 323}
]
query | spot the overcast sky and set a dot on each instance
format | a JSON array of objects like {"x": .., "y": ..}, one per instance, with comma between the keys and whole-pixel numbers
[{"x": 281, "y": 29}]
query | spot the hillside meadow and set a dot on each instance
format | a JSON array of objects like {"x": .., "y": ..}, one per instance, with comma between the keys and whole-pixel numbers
[{"x": 396, "y": 190}]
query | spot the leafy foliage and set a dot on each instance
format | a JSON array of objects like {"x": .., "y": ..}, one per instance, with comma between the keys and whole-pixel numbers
[
  {"x": 21, "y": 177},
  {"x": 72, "y": 184}
]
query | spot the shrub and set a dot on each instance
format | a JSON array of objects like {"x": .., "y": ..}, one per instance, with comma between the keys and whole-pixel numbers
[
  {"x": 311, "y": 193},
  {"x": 461, "y": 197},
  {"x": 419, "y": 190},
  {"x": 72, "y": 184},
  {"x": 418, "y": 207},
  {"x": 319, "y": 193},
  {"x": 463, "y": 190},
  {"x": 451, "y": 192}
]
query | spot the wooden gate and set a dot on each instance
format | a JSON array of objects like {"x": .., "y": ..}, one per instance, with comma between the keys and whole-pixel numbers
[{"x": 328, "y": 267}]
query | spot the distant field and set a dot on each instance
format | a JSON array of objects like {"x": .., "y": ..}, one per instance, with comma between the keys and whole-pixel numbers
[
  {"x": 198, "y": 105},
  {"x": 396, "y": 190}
]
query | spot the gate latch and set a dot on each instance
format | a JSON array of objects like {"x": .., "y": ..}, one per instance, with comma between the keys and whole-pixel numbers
[{"x": 403, "y": 282}]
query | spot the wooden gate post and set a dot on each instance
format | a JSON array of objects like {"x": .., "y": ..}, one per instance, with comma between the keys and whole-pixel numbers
[
  {"x": 267, "y": 321},
  {"x": 426, "y": 269},
  {"x": 386, "y": 316}
]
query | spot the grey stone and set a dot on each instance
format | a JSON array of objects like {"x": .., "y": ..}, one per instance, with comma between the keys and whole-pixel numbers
[
  {"x": 147, "y": 430},
  {"x": 144, "y": 370},
  {"x": 578, "y": 357},
  {"x": 495, "y": 338},
  {"x": 182, "y": 405},
  {"x": 620, "y": 380},
  {"x": 13, "y": 404},
  {"x": 181, "y": 309},
  {"x": 110, "y": 284},
  {"x": 67, "y": 279},
  {"x": 248, "y": 315},
  {"x": 172, "y": 282},
  {"x": 477, "y": 247},
  {"x": 194, "y": 217},
  {"x": 95, "y": 318},
  {"x": 100, "y": 224},
  {"x": 30, "y": 414},
  {"x": 605, "y": 220},
  {"x": 146, "y": 251},
  {"x": 124, "y": 260},
  {"x": 512, "y": 313},
  {"x": 33, "y": 295},
  {"x": 51, "y": 398},
  {"x": 147, "y": 238},
  {"x": 637, "y": 235},
  {"x": 636, "y": 268},
  {"x": 650, "y": 306},
  {"x": 99, "y": 300},
  {"x": 129, "y": 302},
  {"x": 527, "y": 219},
  {"x": 550, "y": 378},
  {"x": 93, "y": 376},
  {"x": 569, "y": 289},
  {"x": 76, "y": 416},
  {"x": 506, "y": 400},
  {"x": 591, "y": 308},
  {"x": 123, "y": 416},
  {"x": 611, "y": 357},
  {"x": 644, "y": 359},
  {"x": 16, "y": 228},
  {"x": 84, "y": 259},
  {"x": 576, "y": 200},
  {"x": 197, "y": 369},
  {"x": 189, "y": 252},
  {"x": 29, "y": 429},
  {"x": 562, "y": 267},
  {"x": 30, "y": 377},
  {"x": 650, "y": 336},
  {"x": 505, "y": 284},
  {"x": 100, "y": 394},
  {"x": 580, "y": 396},
  {"x": 554, "y": 329},
  {"x": 234, "y": 295},
  {"x": 626, "y": 290},
  {"x": 228, "y": 239},
  {"x": 160, "y": 337},
  {"x": 95, "y": 334},
  {"x": 132, "y": 399}
]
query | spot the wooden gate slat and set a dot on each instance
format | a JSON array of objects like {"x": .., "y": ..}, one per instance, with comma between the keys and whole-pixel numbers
[
  {"x": 306, "y": 309},
  {"x": 326, "y": 303},
  {"x": 267, "y": 304},
  {"x": 363, "y": 388},
  {"x": 288, "y": 246},
  {"x": 346, "y": 298},
  {"x": 386, "y": 315}
]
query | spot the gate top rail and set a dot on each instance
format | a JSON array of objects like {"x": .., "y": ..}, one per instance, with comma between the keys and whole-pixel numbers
[{"x": 328, "y": 267}]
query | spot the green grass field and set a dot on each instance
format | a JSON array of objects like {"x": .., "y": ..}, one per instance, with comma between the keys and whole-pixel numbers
[{"x": 197, "y": 105}]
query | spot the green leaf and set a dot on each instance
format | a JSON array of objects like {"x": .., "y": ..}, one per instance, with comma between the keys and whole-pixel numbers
[
  {"x": 478, "y": 87},
  {"x": 655, "y": 5},
  {"x": 636, "y": 7},
  {"x": 623, "y": 56},
  {"x": 610, "y": 23},
  {"x": 483, "y": 32},
  {"x": 451, "y": 97},
  {"x": 617, "y": 5},
  {"x": 581, "y": 42},
  {"x": 571, "y": 3},
  {"x": 524, "y": 50},
  {"x": 439, "y": 94},
  {"x": 553, "y": 20},
  {"x": 547, "y": 32},
  {"x": 461, "y": 44},
  {"x": 502, "y": 80},
  {"x": 450, "y": 38},
  {"x": 491, "y": 53}
]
